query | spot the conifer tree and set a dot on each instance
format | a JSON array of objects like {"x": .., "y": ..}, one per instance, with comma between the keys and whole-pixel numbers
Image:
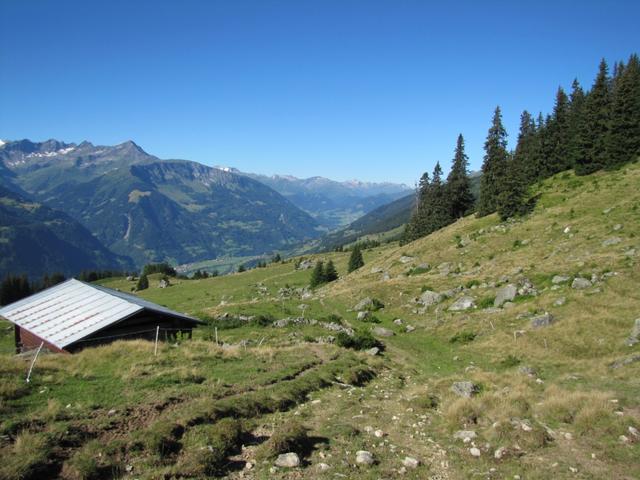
[
  {"x": 436, "y": 213},
  {"x": 355, "y": 260},
  {"x": 576, "y": 111},
  {"x": 526, "y": 153},
  {"x": 555, "y": 151},
  {"x": 143, "y": 282},
  {"x": 414, "y": 228},
  {"x": 494, "y": 166},
  {"x": 511, "y": 201},
  {"x": 317, "y": 275},
  {"x": 330, "y": 272},
  {"x": 594, "y": 126},
  {"x": 14, "y": 288},
  {"x": 458, "y": 187},
  {"x": 623, "y": 142}
]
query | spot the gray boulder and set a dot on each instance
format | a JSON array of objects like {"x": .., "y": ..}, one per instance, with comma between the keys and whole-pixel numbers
[
  {"x": 364, "y": 304},
  {"x": 383, "y": 332},
  {"x": 410, "y": 462},
  {"x": 288, "y": 460},
  {"x": 429, "y": 298},
  {"x": 634, "y": 338},
  {"x": 560, "y": 301},
  {"x": 505, "y": 294},
  {"x": 463, "y": 303},
  {"x": 406, "y": 259},
  {"x": 465, "y": 435},
  {"x": 465, "y": 389},
  {"x": 557, "y": 279},
  {"x": 364, "y": 458},
  {"x": 543, "y": 320},
  {"x": 610, "y": 242},
  {"x": 364, "y": 315},
  {"x": 623, "y": 362},
  {"x": 373, "y": 351},
  {"x": 580, "y": 283}
]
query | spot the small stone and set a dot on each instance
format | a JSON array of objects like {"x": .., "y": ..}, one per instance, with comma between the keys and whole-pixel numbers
[
  {"x": 463, "y": 303},
  {"x": 609, "y": 242},
  {"x": 567, "y": 229},
  {"x": 383, "y": 332},
  {"x": 248, "y": 466},
  {"x": 410, "y": 462},
  {"x": 475, "y": 452},
  {"x": 617, "y": 227},
  {"x": 373, "y": 351},
  {"x": 429, "y": 298},
  {"x": 500, "y": 453},
  {"x": 634, "y": 431},
  {"x": 560, "y": 302},
  {"x": 410, "y": 328},
  {"x": 526, "y": 370},
  {"x": 543, "y": 320},
  {"x": 364, "y": 315},
  {"x": 465, "y": 435},
  {"x": 111, "y": 412},
  {"x": 634, "y": 338},
  {"x": 288, "y": 460},
  {"x": 573, "y": 469},
  {"x": 398, "y": 321},
  {"x": 322, "y": 467},
  {"x": 364, "y": 458},
  {"x": 557, "y": 279},
  {"x": 505, "y": 294},
  {"x": 580, "y": 283},
  {"x": 379, "y": 433},
  {"x": 568, "y": 436},
  {"x": 465, "y": 389},
  {"x": 128, "y": 468},
  {"x": 623, "y": 439},
  {"x": 526, "y": 427},
  {"x": 406, "y": 259}
]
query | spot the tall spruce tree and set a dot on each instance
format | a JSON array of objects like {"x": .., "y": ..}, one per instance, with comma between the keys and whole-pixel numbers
[
  {"x": 355, "y": 260},
  {"x": 623, "y": 142},
  {"x": 458, "y": 188},
  {"x": 595, "y": 124},
  {"x": 414, "y": 227},
  {"x": 555, "y": 151},
  {"x": 526, "y": 153},
  {"x": 317, "y": 275},
  {"x": 576, "y": 111},
  {"x": 330, "y": 272},
  {"x": 494, "y": 166},
  {"x": 511, "y": 201}
]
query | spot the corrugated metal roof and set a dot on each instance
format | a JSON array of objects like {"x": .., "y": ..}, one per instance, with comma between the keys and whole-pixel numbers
[{"x": 72, "y": 310}]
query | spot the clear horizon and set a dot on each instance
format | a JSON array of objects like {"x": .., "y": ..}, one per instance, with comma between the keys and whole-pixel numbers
[{"x": 374, "y": 91}]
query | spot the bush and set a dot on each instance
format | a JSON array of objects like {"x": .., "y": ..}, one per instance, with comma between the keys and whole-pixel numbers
[
  {"x": 163, "y": 268},
  {"x": 486, "y": 302},
  {"x": 371, "y": 319},
  {"x": 463, "y": 337},
  {"x": 290, "y": 437},
  {"x": 510, "y": 361},
  {"x": 361, "y": 340}
]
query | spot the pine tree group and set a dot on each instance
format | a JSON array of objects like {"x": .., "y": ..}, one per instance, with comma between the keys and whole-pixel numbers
[{"x": 322, "y": 273}]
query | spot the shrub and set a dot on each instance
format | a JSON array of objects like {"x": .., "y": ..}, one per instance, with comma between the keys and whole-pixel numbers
[
  {"x": 361, "y": 340},
  {"x": 161, "y": 438},
  {"x": 463, "y": 337},
  {"x": 290, "y": 437},
  {"x": 472, "y": 283},
  {"x": 417, "y": 271},
  {"x": 486, "y": 302},
  {"x": 371, "y": 319},
  {"x": 510, "y": 361}
]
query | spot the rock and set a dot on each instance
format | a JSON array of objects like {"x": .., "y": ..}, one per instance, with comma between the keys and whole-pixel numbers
[
  {"x": 543, "y": 320},
  {"x": 445, "y": 268},
  {"x": 409, "y": 328},
  {"x": 306, "y": 265},
  {"x": 163, "y": 283},
  {"x": 364, "y": 315},
  {"x": 373, "y": 351},
  {"x": 410, "y": 462},
  {"x": 364, "y": 458},
  {"x": 424, "y": 266},
  {"x": 500, "y": 453},
  {"x": 322, "y": 467},
  {"x": 377, "y": 270},
  {"x": 635, "y": 334},
  {"x": 465, "y": 435},
  {"x": 378, "y": 433},
  {"x": 625, "y": 361},
  {"x": 580, "y": 283},
  {"x": 634, "y": 431},
  {"x": 559, "y": 279},
  {"x": 366, "y": 303},
  {"x": 465, "y": 389},
  {"x": 475, "y": 452},
  {"x": 463, "y": 303},
  {"x": 607, "y": 211},
  {"x": 560, "y": 301},
  {"x": 248, "y": 466},
  {"x": 383, "y": 332},
  {"x": 429, "y": 298},
  {"x": 288, "y": 460},
  {"x": 128, "y": 468},
  {"x": 617, "y": 227},
  {"x": 508, "y": 305},
  {"x": 529, "y": 371},
  {"x": 609, "y": 242},
  {"x": 567, "y": 229},
  {"x": 398, "y": 321},
  {"x": 111, "y": 412},
  {"x": 505, "y": 294},
  {"x": 406, "y": 259},
  {"x": 630, "y": 253}
]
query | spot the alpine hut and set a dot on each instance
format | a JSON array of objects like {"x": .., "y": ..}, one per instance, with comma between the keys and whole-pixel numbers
[{"x": 73, "y": 315}]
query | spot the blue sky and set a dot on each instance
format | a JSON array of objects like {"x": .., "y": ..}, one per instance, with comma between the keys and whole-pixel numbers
[{"x": 374, "y": 90}]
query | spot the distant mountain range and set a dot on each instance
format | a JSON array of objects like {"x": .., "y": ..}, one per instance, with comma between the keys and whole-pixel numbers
[
  {"x": 333, "y": 204},
  {"x": 154, "y": 210}
]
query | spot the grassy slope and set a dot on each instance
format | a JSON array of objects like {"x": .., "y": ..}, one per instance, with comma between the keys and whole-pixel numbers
[{"x": 576, "y": 406}]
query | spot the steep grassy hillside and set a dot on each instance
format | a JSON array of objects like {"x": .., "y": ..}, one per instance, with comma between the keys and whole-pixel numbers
[{"x": 553, "y": 386}]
